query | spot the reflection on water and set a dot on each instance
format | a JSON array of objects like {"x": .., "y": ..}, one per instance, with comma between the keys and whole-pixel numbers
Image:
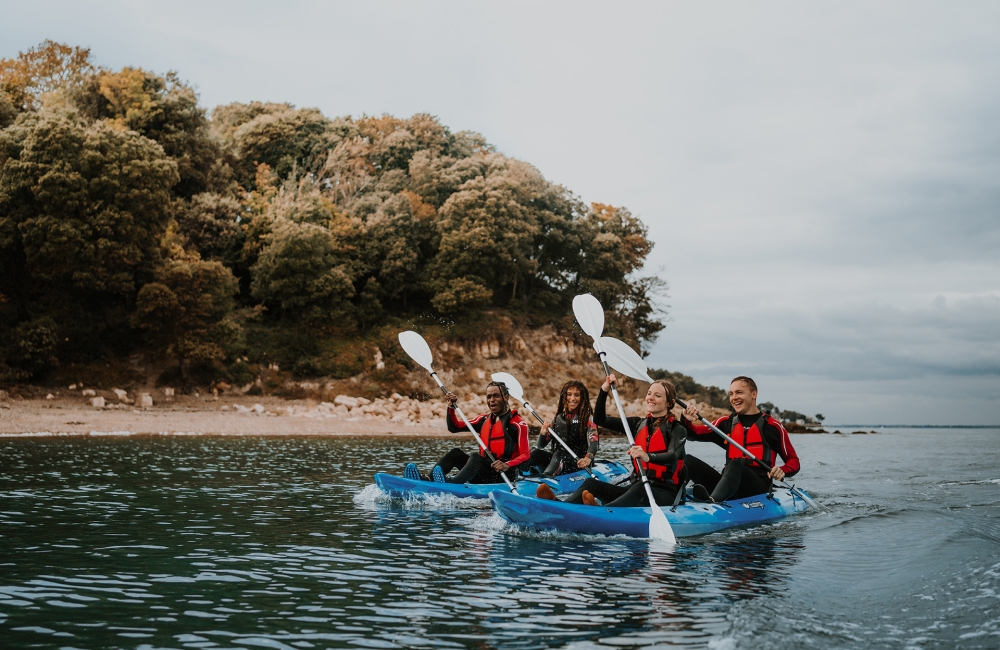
[{"x": 277, "y": 542}]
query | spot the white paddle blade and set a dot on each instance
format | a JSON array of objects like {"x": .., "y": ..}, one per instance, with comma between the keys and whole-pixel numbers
[
  {"x": 589, "y": 314},
  {"x": 624, "y": 359},
  {"x": 415, "y": 346},
  {"x": 512, "y": 384},
  {"x": 659, "y": 527}
]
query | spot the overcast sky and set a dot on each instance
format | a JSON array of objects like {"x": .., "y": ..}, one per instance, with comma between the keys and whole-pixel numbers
[{"x": 822, "y": 180}]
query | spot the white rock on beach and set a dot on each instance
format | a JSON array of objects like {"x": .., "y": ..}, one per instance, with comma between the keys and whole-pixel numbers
[
  {"x": 344, "y": 400},
  {"x": 89, "y": 393},
  {"x": 122, "y": 394},
  {"x": 97, "y": 402}
]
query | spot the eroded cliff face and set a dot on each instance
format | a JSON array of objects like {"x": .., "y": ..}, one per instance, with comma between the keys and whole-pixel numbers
[{"x": 542, "y": 360}]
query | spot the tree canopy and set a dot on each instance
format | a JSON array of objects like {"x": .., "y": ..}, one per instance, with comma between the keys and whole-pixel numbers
[{"x": 129, "y": 212}]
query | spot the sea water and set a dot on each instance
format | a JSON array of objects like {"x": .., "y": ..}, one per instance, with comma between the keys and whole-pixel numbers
[{"x": 283, "y": 542}]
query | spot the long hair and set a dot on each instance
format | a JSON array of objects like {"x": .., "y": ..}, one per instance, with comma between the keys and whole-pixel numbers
[
  {"x": 668, "y": 388},
  {"x": 586, "y": 410}
]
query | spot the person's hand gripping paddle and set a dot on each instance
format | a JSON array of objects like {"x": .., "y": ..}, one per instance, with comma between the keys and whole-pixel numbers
[
  {"x": 515, "y": 390},
  {"x": 628, "y": 362},
  {"x": 590, "y": 315},
  {"x": 416, "y": 347}
]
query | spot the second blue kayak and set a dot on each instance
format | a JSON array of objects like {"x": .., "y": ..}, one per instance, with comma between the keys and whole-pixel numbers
[
  {"x": 401, "y": 488},
  {"x": 686, "y": 520}
]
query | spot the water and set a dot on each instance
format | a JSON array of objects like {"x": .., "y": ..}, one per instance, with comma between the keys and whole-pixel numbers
[{"x": 212, "y": 542}]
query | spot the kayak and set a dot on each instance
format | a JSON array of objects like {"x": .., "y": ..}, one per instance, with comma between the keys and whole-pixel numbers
[
  {"x": 686, "y": 520},
  {"x": 402, "y": 488}
]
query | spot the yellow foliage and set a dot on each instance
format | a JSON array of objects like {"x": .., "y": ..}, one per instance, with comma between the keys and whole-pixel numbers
[
  {"x": 127, "y": 95},
  {"x": 42, "y": 69}
]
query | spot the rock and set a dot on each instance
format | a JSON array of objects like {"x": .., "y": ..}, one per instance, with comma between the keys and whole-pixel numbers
[
  {"x": 362, "y": 401},
  {"x": 50, "y": 396},
  {"x": 145, "y": 400},
  {"x": 168, "y": 392},
  {"x": 396, "y": 396},
  {"x": 97, "y": 402},
  {"x": 224, "y": 408},
  {"x": 379, "y": 363},
  {"x": 122, "y": 394},
  {"x": 257, "y": 408},
  {"x": 344, "y": 400},
  {"x": 88, "y": 393},
  {"x": 72, "y": 386},
  {"x": 223, "y": 386},
  {"x": 239, "y": 408},
  {"x": 480, "y": 374}
]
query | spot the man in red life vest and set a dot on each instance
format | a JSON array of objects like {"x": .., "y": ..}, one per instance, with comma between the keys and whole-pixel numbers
[
  {"x": 503, "y": 432},
  {"x": 757, "y": 432}
]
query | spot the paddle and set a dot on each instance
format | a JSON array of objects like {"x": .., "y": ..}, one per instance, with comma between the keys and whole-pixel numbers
[
  {"x": 515, "y": 390},
  {"x": 628, "y": 362},
  {"x": 416, "y": 347},
  {"x": 590, "y": 315}
]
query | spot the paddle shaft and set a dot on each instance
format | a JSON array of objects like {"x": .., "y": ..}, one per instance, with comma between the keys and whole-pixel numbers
[
  {"x": 716, "y": 429},
  {"x": 628, "y": 433},
  {"x": 554, "y": 434},
  {"x": 475, "y": 435}
]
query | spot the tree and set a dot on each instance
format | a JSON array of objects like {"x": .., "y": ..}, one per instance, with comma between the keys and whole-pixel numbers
[
  {"x": 299, "y": 273},
  {"x": 43, "y": 69},
  {"x": 187, "y": 311},
  {"x": 82, "y": 209}
]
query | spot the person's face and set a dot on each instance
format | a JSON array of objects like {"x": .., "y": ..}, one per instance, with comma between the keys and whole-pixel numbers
[
  {"x": 742, "y": 398},
  {"x": 656, "y": 399},
  {"x": 572, "y": 399},
  {"x": 494, "y": 400}
]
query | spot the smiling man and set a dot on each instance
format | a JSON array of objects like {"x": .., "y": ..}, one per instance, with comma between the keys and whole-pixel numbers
[
  {"x": 757, "y": 432},
  {"x": 503, "y": 432}
]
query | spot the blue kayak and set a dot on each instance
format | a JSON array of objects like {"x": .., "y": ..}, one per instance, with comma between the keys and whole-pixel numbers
[
  {"x": 687, "y": 520},
  {"x": 401, "y": 488}
]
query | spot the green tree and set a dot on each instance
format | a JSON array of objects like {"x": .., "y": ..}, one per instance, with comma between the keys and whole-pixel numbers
[
  {"x": 187, "y": 311},
  {"x": 82, "y": 209},
  {"x": 299, "y": 273}
]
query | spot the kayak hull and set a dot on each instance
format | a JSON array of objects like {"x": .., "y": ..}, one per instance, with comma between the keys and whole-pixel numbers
[
  {"x": 686, "y": 520},
  {"x": 403, "y": 488}
]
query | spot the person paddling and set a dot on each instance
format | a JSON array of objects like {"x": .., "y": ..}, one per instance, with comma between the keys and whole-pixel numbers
[
  {"x": 574, "y": 423},
  {"x": 761, "y": 435},
  {"x": 503, "y": 432},
  {"x": 659, "y": 447}
]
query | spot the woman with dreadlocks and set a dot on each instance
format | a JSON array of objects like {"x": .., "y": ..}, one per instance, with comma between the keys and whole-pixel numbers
[
  {"x": 574, "y": 424},
  {"x": 502, "y": 431}
]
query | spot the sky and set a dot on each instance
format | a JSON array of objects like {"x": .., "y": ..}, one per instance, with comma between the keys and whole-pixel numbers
[{"x": 821, "y": 180}]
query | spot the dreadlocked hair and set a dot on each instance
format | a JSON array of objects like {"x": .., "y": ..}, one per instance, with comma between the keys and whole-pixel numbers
[
  {"x": 586, "y": 411},
  {"x": 504, "y": 393}
]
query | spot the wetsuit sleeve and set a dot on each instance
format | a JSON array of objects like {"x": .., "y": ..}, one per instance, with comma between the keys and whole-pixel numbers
[
  {"x": 779, "y": 441},
  {"x": 703, "y": 433},
  {"x": 594, "y": 437},
  {"x": 675, "y": 446},
  {"x": 523, "y": 452},
  {"x": 456, "y": 425},
  {"x": 615, "y": 424},
  {"x": 543, "y": 439}
]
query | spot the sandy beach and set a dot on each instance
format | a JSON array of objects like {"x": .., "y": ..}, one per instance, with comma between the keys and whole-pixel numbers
[{"x": 193, "y": 415}]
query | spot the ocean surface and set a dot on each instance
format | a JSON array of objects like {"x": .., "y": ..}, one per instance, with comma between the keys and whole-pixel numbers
[{"x": 268, "y": 542}]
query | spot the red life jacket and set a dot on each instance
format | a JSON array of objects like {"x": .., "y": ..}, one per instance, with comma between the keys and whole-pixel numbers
[
  {"x": 501, "y": 437},
  {"x": 655, "y": 444},
  {"x": 752, "y": 440}
]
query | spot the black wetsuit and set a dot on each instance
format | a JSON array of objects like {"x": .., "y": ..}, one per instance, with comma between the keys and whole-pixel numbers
[
  {"x": 633, "y": 493},
  {"x": 581, "y": 438},
  {"x": 741, "y": 477}
]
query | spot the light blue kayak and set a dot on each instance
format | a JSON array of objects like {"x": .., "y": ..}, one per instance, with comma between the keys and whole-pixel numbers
[
  {"x": 686, "y": 520},
  {"x": 402, "y": 488}
]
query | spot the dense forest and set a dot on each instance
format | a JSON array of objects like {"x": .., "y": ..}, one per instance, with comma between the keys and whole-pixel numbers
[{"x": 134, "y": 221}]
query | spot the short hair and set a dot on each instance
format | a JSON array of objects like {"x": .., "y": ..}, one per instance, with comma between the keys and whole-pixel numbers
[{"x": 749, "y": 382}]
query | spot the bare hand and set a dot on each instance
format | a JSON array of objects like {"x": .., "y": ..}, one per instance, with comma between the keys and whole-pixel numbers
[
  {"x": 776, "y": 473},
  {"x": 583, "y": 462},
  {"x": 452, "y": 398},
  {"x": 692, "y": 413},
  {"x": 500, "y": 466},
  {"x": 546, "y": 426},
  {"x": 636, "y": 452},
  {"x": 611, "y": 379}
]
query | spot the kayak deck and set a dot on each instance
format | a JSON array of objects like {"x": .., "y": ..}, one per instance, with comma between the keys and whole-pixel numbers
[
  {"x": 402, "y": 488},
  {"x": 686, "y": 520}
]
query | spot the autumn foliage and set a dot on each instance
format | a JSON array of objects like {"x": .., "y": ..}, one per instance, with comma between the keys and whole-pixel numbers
[{"x": 132, "y": 219}]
